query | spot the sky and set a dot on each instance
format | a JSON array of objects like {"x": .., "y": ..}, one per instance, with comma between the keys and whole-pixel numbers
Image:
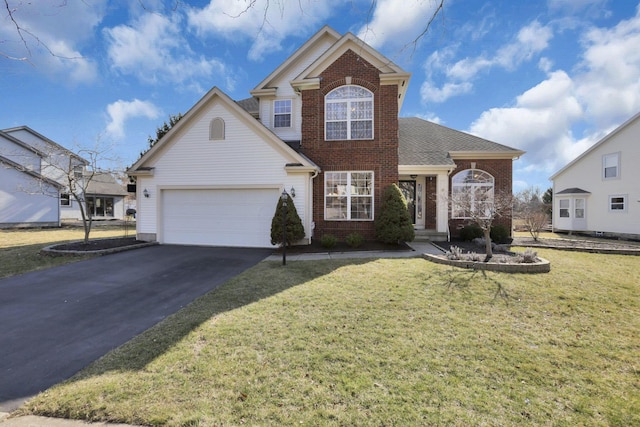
[{"x": 547, "y": 77}]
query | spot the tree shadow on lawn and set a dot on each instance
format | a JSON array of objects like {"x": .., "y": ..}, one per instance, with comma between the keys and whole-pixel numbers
[
  {"x": 262, "y": 281},
  {"x": 461, "y": 279}
]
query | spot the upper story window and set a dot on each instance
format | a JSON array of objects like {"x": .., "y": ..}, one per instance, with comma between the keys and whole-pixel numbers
[
  {"x": 471, "y": 194},
  {"x": 611, "y": 166},
  {"x": 216, "y": 129},
  {"x": 282, "y": 113},
  {"x": 348, "y": 113}
]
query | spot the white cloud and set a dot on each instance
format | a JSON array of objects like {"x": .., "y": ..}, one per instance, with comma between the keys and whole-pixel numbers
[
  {"x": 540, "y": 122},
  {"x": 154, "y": 50},
  {"x": 266, "y": 23},
  {"x": 121, "y": 111},
  {"x": 47, "y": 40},
  {"x": 397, "y": 22},
  {"x": 609, "y": 79},
  {"x": 458, "y": 76}
]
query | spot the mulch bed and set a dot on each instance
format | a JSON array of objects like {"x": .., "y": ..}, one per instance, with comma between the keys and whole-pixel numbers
[
  {"x": 98, "y": 244},
  {"x": 316, "y": 247}
]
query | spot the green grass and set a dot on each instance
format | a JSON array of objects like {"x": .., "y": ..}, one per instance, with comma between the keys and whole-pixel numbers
[
  {"x": 20, "y": 248},
  {"x": 381, "y": 342}
]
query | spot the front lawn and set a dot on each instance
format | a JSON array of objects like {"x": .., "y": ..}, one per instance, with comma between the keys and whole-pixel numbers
[
  {"x": 20, "y": 248},
  {"x": 381, "y": 342}
]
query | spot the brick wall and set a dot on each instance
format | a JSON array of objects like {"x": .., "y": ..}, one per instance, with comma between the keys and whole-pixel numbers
[
  {"x": 502, "y": 172},
  {"x": 379, "y": 155}
]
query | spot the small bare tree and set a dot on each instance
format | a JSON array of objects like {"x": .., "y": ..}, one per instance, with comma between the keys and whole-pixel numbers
[
  {"x": 481, "y": 206},
  {"x": 74, "y": 171},
  {"x": 530, "y": 209}
]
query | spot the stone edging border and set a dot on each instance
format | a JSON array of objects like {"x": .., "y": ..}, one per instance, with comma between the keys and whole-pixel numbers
[
  {"x": 544, "y": 266},
  {"x": 51, "y": 251},
  {"x": 606, "y": 251}
]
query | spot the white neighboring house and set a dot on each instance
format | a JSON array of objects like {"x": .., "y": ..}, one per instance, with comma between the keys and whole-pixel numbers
[
  {"x": 599, "y": 191},
  {"x": 34, "y": 183},
  {"x": 27, "y": 198}
]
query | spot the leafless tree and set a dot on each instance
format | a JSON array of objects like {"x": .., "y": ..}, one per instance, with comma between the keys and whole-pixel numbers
[
  {"x": 531, "y": 211},
  {"x": 74, "y": 171},
  {"x": 481, "y": 207}
]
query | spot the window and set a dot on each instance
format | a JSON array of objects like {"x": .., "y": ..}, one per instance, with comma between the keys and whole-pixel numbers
[
  {"x": 348, "y": 196},
  {"x": 471, "y": 194},
  {"x": 617, "y": 203},
  {"x": 564, "y": 208},
  {"x": 282, "y": 113},
  {"x": 65, "y": 199},
  {"x": 100, "y": 206},
  {"x": 77, "y": 171},
  {"x": 579, "y": 208},
  {"x": 348, "y": 113},
  {"x": 216, "y": 129},
  {"x": 611, "y": 166}
]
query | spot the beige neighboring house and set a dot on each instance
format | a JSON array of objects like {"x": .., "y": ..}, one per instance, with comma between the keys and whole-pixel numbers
[{"x": 599, "y": 192}]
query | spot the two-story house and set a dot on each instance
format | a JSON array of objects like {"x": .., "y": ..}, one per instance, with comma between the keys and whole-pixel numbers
[
  {"x": 599, "y": 191},
  {"x": 324, "y": 127},
  {"x": 36, "y": 175}
]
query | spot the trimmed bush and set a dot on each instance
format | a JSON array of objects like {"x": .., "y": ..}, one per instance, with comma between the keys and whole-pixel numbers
[
  {"x": 355, "y": 240},
  {"x": 328, "y": 241},
  {"x": 295, "y": 229},
  {"x": 500, "y": 234},
  {"x": 470, "y": 232},
  {"x": 393, "y": 225}
]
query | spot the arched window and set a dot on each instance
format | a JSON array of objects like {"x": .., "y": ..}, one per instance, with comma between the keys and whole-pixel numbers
[
  {"x": 471, "y": 194},
  {"x": 216, "y": 129},
  {"x": 348, "y": 113}
]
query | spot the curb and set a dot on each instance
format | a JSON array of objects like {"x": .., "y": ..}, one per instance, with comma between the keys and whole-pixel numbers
[{"x": 51, "y": 251}]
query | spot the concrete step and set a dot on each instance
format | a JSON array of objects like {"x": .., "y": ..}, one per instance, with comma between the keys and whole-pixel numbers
[{"x": 430, "y": 236}]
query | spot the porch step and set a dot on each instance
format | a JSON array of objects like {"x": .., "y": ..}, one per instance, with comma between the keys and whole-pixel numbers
[{"x": 430, "y": 236}]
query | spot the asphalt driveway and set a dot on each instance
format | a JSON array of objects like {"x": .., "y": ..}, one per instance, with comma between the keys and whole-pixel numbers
[{"x": 55, "y": 322}]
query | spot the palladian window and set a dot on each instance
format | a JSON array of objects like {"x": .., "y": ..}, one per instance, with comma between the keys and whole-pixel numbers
[
  {"x": 348, "y": 113},
  {"x": 472, "y": 193}
]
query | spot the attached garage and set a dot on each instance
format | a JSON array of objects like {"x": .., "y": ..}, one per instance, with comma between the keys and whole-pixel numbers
[{"x": 218, "y": 217}]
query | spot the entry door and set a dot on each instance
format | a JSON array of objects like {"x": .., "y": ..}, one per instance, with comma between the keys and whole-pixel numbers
[{"x": 408, "y": 189}]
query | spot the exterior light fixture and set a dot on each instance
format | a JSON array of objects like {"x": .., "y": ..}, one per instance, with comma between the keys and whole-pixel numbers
[
  {"x": 414, "y": 176},
  {"x": 146, "y": 193},
  {"x": 293, "y": 192}
]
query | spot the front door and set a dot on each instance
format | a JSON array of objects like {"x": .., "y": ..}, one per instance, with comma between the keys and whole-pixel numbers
[{"x": 408, "y": 189}]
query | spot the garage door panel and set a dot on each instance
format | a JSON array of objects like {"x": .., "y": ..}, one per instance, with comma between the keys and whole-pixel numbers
[{"x": 238, "y": 217}]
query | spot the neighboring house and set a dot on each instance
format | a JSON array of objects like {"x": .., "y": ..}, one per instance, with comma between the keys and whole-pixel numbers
[
  {"x": 599, "y": 191},
  {"x": 323, "y": 127},
  {"x": 34, "y": 186}
]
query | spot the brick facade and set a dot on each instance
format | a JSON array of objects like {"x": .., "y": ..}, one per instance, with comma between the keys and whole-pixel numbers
[
  {"x": 501, "y": 170},
  {"x": 379, "y": 155}
]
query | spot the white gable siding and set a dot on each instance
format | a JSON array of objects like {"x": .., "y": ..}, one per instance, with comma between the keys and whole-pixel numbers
[
  {"x": 192, "y": 161},
  {"x": 19, "y": 154},
  {"x": 26, "y": 200},
  {"x": 285, "y": 91},
  {"x": 587, "y": 174}
]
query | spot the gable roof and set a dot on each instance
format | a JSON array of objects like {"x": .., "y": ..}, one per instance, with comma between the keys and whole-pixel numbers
[
  {"x": 105, "y": 183},
  {"x": 597, "y": 144},
  {"x": 390, "y": 73},
  {"x": 426, "y": 143},
  {"x": 140, "y": 167},
  {"x": 13, "y": 165},
  {"x": 325, "y": 33},
  {"x": 43, "y": 138},
  {"x": 573, "y": 190},
  {"x": 16, "y": 141}
]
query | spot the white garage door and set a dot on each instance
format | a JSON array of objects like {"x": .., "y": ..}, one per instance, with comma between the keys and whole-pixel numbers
[{"x": 234, "y": 217}]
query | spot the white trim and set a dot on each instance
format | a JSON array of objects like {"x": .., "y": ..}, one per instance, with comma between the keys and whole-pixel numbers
[
  {"x": 625, "y": 202},
  {"x": 349, "y": 196}
]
